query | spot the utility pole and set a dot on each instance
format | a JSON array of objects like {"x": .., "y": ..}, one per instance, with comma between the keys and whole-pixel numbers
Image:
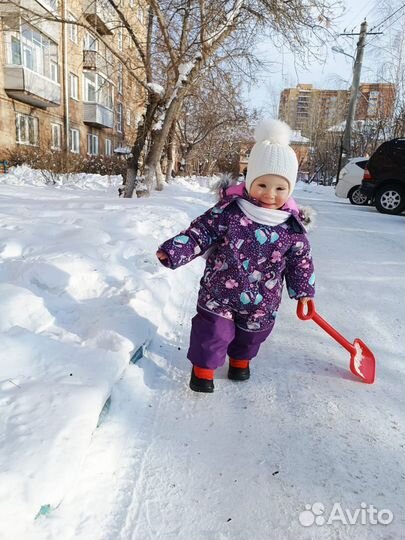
[
  {"x": 346, "y": 141},
  {"x": 354, "y": 90}
]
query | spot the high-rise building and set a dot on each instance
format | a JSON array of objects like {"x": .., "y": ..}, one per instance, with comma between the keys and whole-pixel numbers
[
  {"x": 64, "y": 80},
  {"x": 296, "y": 106},
  {"x": 306, "y": 108},
  {"x": 376, "y": 101}
]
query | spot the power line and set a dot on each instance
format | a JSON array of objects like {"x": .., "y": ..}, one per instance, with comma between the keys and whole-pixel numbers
[
  {"x": 387, "y": 18},
  {"x": 389, "y": 26},
  {"x": 357, "y": 15}
]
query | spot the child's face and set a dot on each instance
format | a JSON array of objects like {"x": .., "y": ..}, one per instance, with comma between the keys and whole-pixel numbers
[{"x": 270, "y": 190}]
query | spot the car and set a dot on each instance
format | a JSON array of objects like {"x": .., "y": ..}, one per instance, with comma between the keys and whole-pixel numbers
[
  {"x": 384, "y": 177},
  {"x": 350, "y": 178}
]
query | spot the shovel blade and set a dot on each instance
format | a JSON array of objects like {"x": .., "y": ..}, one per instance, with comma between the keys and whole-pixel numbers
[{"x": 362, "y": 362}]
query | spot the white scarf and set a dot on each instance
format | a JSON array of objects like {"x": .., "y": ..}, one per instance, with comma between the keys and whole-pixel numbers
[{"x": 264, "y": 216}]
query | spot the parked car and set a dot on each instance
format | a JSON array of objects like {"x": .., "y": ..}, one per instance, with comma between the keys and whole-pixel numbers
[
  {"x": 350, "y": 178},
  {"x": 384, "y": 177}
]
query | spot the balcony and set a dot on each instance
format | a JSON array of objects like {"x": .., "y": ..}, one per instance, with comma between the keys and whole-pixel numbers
[
  {"x": 97, "y": 115},
  {"x": 11, "y": 12},
  {"x": 99, "y": 16},
  {"x": 94, "y": 61},
  {"x": 25, "y": 85}
]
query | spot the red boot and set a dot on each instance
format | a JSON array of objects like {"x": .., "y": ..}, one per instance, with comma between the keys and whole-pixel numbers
[
  {"x": 202, "y": 380},
  {"x": 238, "y": 370}
]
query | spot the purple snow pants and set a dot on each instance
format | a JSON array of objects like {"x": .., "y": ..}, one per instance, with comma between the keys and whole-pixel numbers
[{"x": 213, "y": 337}]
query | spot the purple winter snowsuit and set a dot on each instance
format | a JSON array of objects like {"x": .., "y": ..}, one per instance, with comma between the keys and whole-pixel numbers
[{"x": 240, "y": 290}]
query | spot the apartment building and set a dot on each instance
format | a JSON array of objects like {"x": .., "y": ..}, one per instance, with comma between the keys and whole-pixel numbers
[
  {"x": 376, "y": 101},
  {"x": 66, "y": 85},
  {"x": 296, "y": 106},
  {"x": 306, "y": 108}
]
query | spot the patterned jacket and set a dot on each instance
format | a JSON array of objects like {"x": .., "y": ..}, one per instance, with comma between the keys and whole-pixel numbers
[{"x": 247, "y": 262}]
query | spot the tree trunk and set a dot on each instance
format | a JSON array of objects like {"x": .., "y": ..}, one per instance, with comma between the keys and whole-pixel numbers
[
  {"x": 170, "y": 153},
  {"x": 158, "y": 141},
  {"x": 139, "y": 144},
  {"x": 160, "y": 179}
]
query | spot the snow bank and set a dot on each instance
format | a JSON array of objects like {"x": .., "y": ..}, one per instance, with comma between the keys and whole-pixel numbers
[
  {"x": 81, "y": 291},
  {"x": 24, "y": 175}
]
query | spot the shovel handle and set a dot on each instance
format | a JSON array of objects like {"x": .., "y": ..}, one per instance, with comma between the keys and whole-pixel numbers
[{"x": 312, "y": 314}]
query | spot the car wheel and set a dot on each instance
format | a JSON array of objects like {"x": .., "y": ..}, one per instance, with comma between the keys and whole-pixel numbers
[
  {"x": 357, "y": 197},
  {"x": 390, "y": 199}
]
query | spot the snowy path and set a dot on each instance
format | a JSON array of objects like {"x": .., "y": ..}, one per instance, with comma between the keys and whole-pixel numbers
[{"x": 242, "y": 463}]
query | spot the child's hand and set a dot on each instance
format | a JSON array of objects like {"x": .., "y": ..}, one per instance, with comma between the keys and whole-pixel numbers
[
  {"x": 304, "y": 299},
  {"x": 162, "y": 256}
]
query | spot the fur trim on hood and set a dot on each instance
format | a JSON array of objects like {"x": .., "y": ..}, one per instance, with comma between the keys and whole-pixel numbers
[
  {"x": 307, "y": 216},
  {"x": 221, "y": 185}
]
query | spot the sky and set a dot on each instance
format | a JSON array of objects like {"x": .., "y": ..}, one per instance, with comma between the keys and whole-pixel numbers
[{"x": 334, "y": 72}]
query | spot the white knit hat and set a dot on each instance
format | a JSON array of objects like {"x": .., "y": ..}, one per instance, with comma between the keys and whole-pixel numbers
[{"x": 272, "y": 154}]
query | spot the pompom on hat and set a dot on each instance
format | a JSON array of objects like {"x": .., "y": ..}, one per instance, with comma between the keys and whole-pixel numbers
[{"x": 272, "y": 154}]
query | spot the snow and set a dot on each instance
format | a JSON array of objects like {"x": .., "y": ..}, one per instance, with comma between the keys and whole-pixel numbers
[
  {"x": 184, "y": 71},
  {"x": 216, "y": 33},
  {"x": 24, "y": 175},
  {"x": 81, "y": 291},
  {"x": 297, "y": 138},
  {"x": 156, "y": 88}
]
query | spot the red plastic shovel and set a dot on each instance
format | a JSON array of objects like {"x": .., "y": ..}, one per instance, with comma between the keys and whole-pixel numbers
[{"x": 362, "y": 361}]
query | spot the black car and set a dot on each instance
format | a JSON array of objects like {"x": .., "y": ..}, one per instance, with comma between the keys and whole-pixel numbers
[{"x": 384, "y": 178}]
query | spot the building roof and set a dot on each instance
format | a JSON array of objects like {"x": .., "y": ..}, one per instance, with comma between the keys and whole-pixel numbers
[{"x": 297, "y": 138}]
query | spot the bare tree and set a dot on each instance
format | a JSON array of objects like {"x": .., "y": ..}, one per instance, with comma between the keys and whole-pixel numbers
[
  {"x": 194, "y": 33},
  {"x": 214, "y": 107},
  {"x": 183, "y": 39}
]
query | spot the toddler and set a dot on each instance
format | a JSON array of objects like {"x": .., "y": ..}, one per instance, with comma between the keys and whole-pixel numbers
[{"x": 256, "y": 238}]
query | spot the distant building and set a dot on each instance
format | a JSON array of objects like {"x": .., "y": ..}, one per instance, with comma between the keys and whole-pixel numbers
[
  {"x": 61, "y": 87},
  {"x": 306, "y": 108},
  {"x": 376, "y": 101}
]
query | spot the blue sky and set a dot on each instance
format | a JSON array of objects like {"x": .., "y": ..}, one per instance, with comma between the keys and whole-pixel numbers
[{"x": 335, "y": 71}]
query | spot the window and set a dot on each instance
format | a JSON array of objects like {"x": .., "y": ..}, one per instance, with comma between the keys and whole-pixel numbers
[
  {"x": 362, "y": 164},
  {"x": 108, "y": 147},
  {"x": 89, "y": 87},
  {"x": 372, "y": 103},
  {"x": 15, "y": 51},
  {"x": 56, "y": 134},
  {"x": 120, "y": 79},
  {"x": 53, "y": 4},
  {"x": 54, "y": 70},
  {"x": 90, "y": 43},
  {"x": 109, "y": 56},
  {"x": 120, "y": 38},
  {"x": 98, "y": 90},
  {"x": 92, "y": 144},
  {"x": 128, "y": 117},
  {"x": 26, "y": 129},
  {"x": 74, "y": 86},
  {"x": 141, "y": 16},
  {"x": 105, "y": 92},
  {"x": 35, "y": 51},
  {"x": 119, "y": 117},
  {"x": 73, "y": 30},
  {"x": 74, "y": 142}
]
